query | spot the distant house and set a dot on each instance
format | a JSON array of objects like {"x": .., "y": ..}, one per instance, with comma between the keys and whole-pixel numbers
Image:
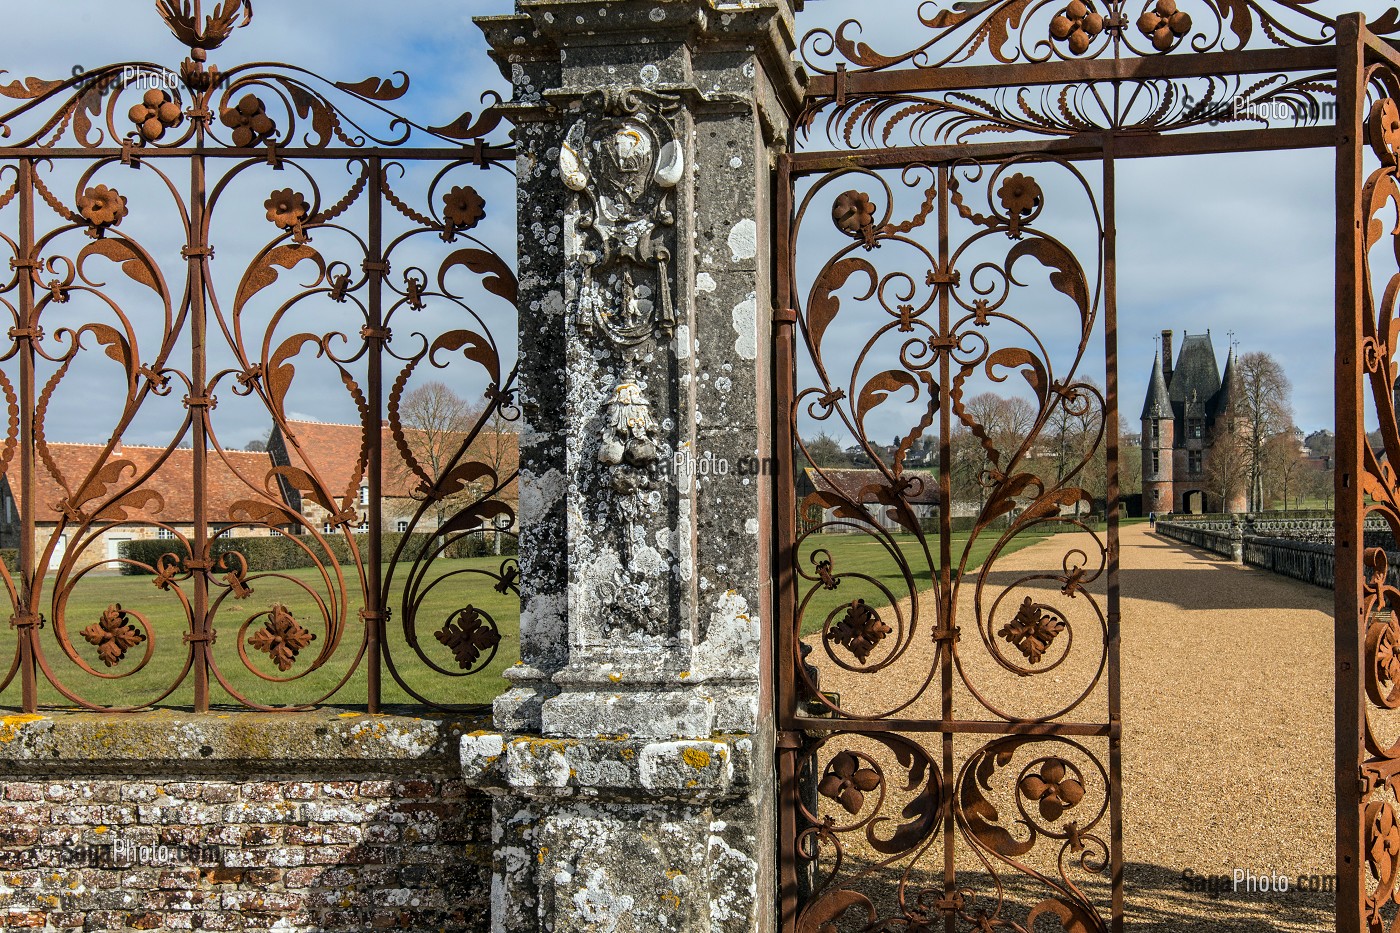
[
  {"x": 331, "y": 453},
  {"x": 133, "y": 495},
  {"x": 865, "y": 487}
]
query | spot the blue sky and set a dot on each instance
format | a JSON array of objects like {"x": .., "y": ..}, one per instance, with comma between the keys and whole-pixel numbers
[
  {"x": 1239, "y": 243},
  {"x": 1223, "y": 243}
]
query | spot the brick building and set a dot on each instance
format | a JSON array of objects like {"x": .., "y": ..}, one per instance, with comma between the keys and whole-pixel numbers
[
  {"x": 1186, "y": 402},
  {"x": 75, "y": 505}
]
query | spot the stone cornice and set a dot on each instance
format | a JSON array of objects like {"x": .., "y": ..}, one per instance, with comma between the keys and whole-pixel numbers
[{"x": 546, "y": 28}]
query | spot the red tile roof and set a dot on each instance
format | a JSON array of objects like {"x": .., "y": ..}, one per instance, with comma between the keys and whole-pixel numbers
[
  {"x": 70, "y": 478},
  {"x": 852, "y": 483},
  {"x": 335, "y": 449}
]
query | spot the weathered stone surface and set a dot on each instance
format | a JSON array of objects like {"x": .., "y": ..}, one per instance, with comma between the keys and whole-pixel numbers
[
  {"x": 632, "y": 766},
  {"x": 361, "y": 823},
  {"x": 224, "y": 740}
]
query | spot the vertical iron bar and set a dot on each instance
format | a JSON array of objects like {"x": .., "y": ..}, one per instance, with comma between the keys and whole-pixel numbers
[
  {"x": 946, "y": 607},
  {"x": 197, "y": 254},
  {"x": 374, "y": 614},
  {"x": 784, "y": 527},
  {"x": 1111, "y": 440},
  {"x": 1351, "y": 434},
  {"x": 27, "y": 611}
]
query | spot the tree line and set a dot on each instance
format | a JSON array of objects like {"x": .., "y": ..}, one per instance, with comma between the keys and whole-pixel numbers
[{"x": 1257, "y": 451}]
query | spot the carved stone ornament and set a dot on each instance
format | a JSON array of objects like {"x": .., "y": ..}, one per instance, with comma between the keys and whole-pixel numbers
[
  {"x": 630, "y": 435},
  {"x": 624, "y": 161}
]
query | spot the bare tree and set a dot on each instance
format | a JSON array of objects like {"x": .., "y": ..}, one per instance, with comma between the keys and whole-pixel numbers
[
  {"x": 1283, "y": 466},
  {"x": 1319, "y": 484},
  {"x": 826, "y": 451},
  {"x": 1004, "y": 423},
  {"x": 1227, "y": 467},
  {"x": 1264, "y": 411},
  {"x": 436, "y": 421}
]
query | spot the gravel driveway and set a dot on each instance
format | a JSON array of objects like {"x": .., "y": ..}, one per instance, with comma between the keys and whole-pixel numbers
[{"x": 1227, "y": 731}]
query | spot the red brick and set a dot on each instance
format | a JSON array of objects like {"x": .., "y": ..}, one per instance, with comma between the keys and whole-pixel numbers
[
  {"x": 222, "y": 875},
  {"x": 24, "y": 791},
  {"x": 413, "y": 789},
  {"x": 262, "y": 792},
  {"x": 301, "y": 790},
  {"x": 263, "y": 877},
  {"x": 22, "y": 919}
]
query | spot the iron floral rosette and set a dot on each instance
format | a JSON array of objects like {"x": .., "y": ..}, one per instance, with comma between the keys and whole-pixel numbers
[{"x": 303, "y": 318}]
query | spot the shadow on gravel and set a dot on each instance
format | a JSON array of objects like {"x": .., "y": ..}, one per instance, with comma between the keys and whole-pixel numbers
[
  {"x": 1208, "y": 588},
  {"x": 1160, "y": 900},
  {"x": 1157, "y": 899}
]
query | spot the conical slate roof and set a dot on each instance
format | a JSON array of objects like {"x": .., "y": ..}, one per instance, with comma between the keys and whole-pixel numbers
[
  {"x": 1158, "y": 403},
  {"x": 1221, "y": 403},
  {"x": 1196, "y": 374}
]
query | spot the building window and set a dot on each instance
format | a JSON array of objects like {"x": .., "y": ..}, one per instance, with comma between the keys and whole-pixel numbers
[
  {"x": 402, "y": 525},
  {"x": 328, "y": 528},
  {"x": 1193, "y": 461},
  {"x": 1156, "y": 431},
  {"x": 362, "y": 527},
  {"x": 1197, "y": 429},
  {"x": 364, "y": 495},
  {"x": 165, "y": 534},
  {"x": 1156, "y": 462}
]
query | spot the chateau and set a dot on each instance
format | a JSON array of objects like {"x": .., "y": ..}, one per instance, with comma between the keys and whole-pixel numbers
[{"x": 1184, "y": 402}]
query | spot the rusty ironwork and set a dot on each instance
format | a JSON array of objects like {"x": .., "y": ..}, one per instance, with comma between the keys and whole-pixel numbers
[
  {"x": 1367, "y": 604},
  {"x": 912, "y": 798},
  {"x": 326, "y": 209}
]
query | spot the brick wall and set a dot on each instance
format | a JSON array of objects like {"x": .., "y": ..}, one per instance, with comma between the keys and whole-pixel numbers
[{"x": 323, "y": 846}]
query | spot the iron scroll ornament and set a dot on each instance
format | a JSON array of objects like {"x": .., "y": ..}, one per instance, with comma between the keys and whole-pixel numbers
[
  {"x": 1075, "y": 30},
  {"x": 861, "y": 283},
  {"x": 1380, "y": 606},
  {"x": 948, "y": 279},
  {"x": 266, "y": 638}
]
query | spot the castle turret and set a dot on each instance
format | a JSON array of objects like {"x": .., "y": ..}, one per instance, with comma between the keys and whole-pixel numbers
[
  {"x": 1221, "y": 412},
  {"x": 1158, "y": 439}
]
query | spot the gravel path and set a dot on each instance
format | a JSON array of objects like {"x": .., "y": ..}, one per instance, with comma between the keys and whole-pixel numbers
[{"x": 1227, "y": 736}]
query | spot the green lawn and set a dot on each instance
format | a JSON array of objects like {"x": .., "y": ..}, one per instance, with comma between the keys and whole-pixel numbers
[
  {"x": 463, "y": 582},
  {"x": 874, "y": 575}
]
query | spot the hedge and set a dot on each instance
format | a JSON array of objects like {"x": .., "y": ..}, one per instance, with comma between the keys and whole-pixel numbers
[
  {"x": 282, "y": 552},
  {"x": 10, "y": 557}
]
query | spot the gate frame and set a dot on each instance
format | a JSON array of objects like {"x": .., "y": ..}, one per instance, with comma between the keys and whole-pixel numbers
[{"x": 1353, "y": 49}]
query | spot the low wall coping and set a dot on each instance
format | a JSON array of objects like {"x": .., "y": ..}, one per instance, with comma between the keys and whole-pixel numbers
[
  {"x": 230, "y": 740},
  {"x": 692, "y": 770}
]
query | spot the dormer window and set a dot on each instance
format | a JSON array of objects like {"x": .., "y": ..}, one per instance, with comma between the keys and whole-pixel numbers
[{"x": 1196, "y": 430}]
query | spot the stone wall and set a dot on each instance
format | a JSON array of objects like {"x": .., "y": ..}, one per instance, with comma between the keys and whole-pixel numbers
[{"x": 311, "y": 821}]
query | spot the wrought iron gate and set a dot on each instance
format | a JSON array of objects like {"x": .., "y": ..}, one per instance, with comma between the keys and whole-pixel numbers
[
  {"x": 949, "y": 736},
  {"x": 352, "y": 272},
  {"x": 1368, "y": 609}
]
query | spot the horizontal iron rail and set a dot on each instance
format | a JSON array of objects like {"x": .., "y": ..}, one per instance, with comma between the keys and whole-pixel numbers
[
  {"x": 951, "y": 726},
  {"x": 987, "y": 77},
  {"x": 1088, "y": 146},
  {"x": 486, "y": 154}
]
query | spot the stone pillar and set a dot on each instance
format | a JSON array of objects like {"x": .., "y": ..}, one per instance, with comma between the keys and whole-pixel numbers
[{"x": 632, "y": 766}]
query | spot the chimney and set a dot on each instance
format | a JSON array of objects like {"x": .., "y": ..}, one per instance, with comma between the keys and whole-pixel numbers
[{"x": 1167, "y": 355}]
